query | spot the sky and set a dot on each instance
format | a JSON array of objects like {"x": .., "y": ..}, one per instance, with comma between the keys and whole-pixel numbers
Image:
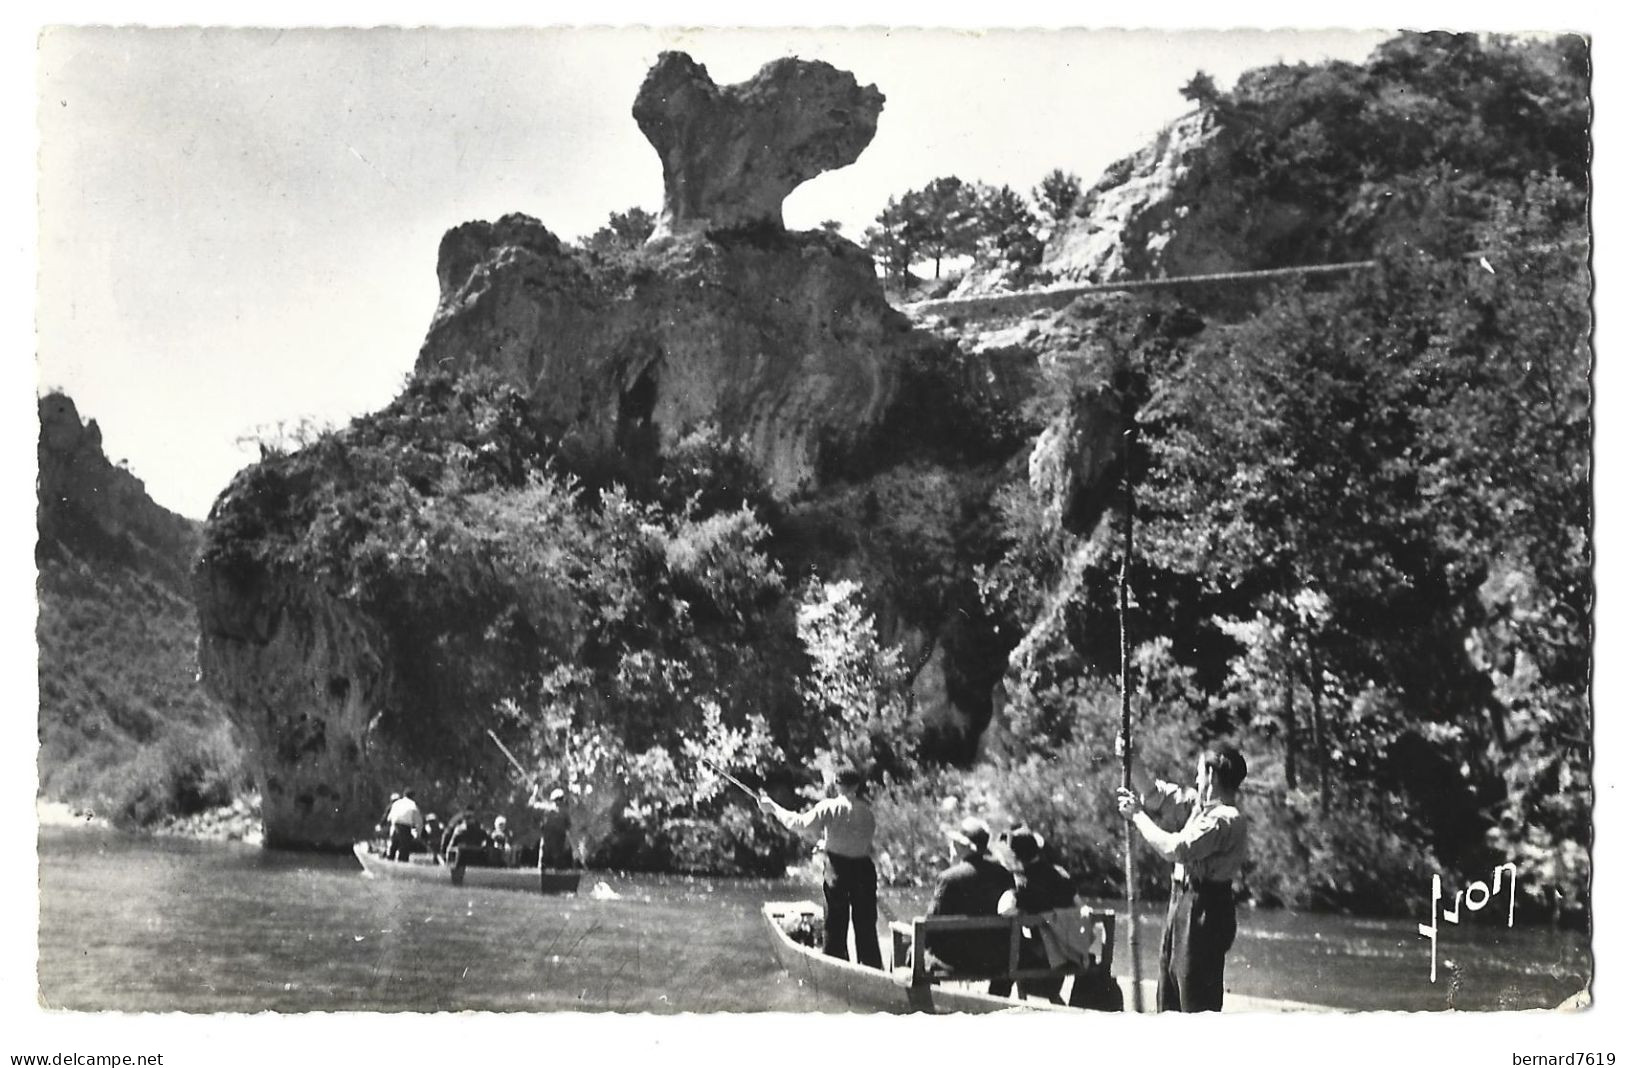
[{"x": 238, "y": 228}]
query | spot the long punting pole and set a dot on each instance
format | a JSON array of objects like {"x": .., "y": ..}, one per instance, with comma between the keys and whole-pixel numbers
[
  {"x": 718, "y": 769},
  {"x": 520, "y": 768},
  {"x": 1127, "y": 725}
]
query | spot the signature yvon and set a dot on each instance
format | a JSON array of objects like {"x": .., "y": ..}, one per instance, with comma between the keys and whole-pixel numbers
[{"x": 1477, "y": 895}]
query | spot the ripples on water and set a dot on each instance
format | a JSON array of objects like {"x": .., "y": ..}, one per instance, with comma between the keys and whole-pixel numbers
[{"x": 170, "y": 925}]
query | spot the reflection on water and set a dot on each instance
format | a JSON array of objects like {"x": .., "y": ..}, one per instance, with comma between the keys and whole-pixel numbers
[{"x": 164, "y": 925}]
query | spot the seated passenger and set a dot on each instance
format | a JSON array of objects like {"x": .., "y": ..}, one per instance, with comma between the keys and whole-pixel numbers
[
  {"x": 468, "y": 842},
  {"x": 972, "y": 886},
  {"x": 1040, "y": 887},
  {"x": 501, "y": 840}
]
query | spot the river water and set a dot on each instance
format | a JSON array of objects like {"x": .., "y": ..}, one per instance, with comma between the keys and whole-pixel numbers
[{"x": 142, "y": 924}]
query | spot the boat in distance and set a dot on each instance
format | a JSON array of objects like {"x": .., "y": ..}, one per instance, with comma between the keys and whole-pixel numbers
[
  {"x": 425, "y": 868},
  {"x": 841, "y": 986}
]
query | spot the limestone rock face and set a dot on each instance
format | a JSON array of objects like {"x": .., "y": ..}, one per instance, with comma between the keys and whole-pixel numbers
[
  {"x": 787, "y": 344},
  {"x": 731, "y": 154},
  {"x": 1173, "y": 209},
  {"x": 1154, "y": 214},
  {"x": 307, "y": 679}
]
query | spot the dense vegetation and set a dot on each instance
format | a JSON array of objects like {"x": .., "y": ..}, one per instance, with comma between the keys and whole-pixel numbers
[
  {"x": 1421, "y": 144},
  {"x": 125, "y": 731}
]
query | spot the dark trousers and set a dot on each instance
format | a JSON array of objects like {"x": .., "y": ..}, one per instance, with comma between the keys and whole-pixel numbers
[
  {"x": 401, "y": 842},
  {"x": 850, "y": 886},
  {"x": 1201, "y": 928},
  {"x": 1032, "y": 955}
]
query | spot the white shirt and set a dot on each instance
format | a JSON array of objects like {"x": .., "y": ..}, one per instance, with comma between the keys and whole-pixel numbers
[
  {"x": 405, "y": 811},
  {"x": 847, "y": 824}
]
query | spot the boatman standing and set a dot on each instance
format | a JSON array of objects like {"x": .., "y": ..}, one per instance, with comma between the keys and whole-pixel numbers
[
  {"x": 1208, "y": 852},
  {"x": 405, "y": 823},
  {"x": 847, "y": 824}
]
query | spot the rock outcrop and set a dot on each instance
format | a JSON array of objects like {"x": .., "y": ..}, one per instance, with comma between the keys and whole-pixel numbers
[
  {"x": 731, "y": 154},
  {"x": 305, "y": 676},
  {"x": 782, "y": 340},
  {"x": 785, "y": 342},
  {"x": 1151, "y": 214}
]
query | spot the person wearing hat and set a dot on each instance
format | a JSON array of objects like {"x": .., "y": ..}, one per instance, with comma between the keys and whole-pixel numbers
[
  {"x": 405, "y": 821},
  {"x": 971, "y": 886},
  {"x": 1208, "y": 852},
  {"x": 851, "y": 885},
  {"x": 554, "y": 851},
  {"x": 501, "y": 840},
  {"x": 1040, "y": 887}
]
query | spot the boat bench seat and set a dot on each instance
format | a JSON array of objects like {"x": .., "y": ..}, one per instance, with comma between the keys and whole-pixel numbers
[{"x": 911, "y": 940}]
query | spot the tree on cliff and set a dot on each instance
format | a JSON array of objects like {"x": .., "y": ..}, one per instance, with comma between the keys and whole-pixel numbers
[
  {"x": 1201, "y": 90},
  {"x": 950, "y": 217},
  {"x": 889, "y": 242},
  {"x": 939, "y": 221},
  {"x": 1056, "y": 196},
  {"x": 1006, "y": 232},
  {"x": 625, "y": 230}
]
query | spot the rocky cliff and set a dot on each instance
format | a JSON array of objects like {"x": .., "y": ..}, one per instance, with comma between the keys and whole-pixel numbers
[
  {"x": 781, "y": 340},
  {"x": 1151, "y": 215},
  {"x": 125, "y": 728},
  {"x": 878, "y": 447},
  {"x": 88, "y": 507}
]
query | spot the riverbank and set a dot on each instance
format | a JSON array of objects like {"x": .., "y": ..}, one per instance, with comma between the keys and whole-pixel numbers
[
  {"x": 236, "y": 822},
  {"x": 62, "y": 814}
]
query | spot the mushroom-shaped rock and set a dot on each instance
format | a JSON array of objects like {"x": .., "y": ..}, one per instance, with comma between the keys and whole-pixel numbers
[{"x": 731, "y": 154}]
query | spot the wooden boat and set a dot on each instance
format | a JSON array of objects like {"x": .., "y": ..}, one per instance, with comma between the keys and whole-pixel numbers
[
  {"x": 428, "y": 869},
  {"x": 837, "y": 985}
]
